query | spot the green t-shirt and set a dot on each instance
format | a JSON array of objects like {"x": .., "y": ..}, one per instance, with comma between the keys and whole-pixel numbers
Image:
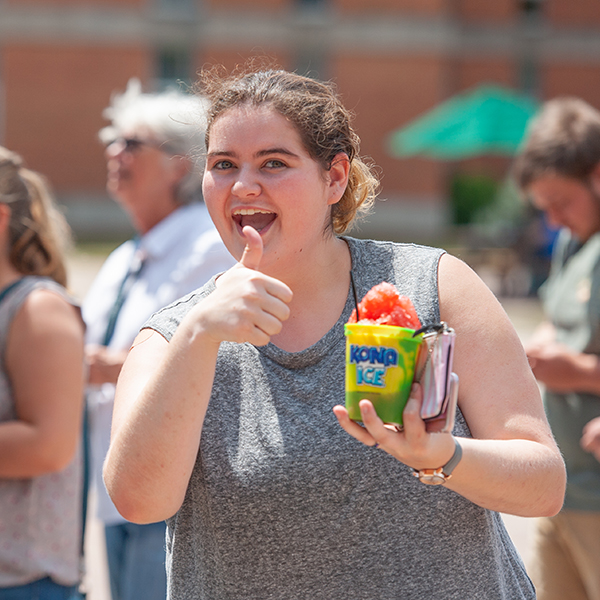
[{"x": 571, "y": 298}]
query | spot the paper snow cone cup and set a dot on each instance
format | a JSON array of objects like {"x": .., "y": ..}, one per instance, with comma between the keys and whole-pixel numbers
[{"x": 380, "y": 366}]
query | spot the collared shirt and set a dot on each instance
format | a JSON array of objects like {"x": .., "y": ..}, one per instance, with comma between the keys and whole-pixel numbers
[
  {"x": 571, "y": 297},
  {"x": 180, "y": 254}
]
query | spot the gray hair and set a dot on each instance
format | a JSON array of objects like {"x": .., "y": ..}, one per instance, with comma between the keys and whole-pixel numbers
[{"x": 177, "y": 121}]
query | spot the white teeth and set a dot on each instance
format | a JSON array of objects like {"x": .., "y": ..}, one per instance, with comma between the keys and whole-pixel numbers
[{"x": 251, "y": 211}]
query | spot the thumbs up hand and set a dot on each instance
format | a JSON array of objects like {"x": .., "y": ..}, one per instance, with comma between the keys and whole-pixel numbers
[
  {"x": 254, "y": 249},
  {"x": 247, "y": 306}
]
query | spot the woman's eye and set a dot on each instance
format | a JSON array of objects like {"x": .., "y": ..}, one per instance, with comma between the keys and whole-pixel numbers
[
  {"x": 223, "y": 165},
  {"x": 274, "y": 164}
]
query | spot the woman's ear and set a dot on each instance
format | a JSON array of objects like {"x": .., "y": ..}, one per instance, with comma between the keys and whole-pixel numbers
[{"x": 338, "y": 177}]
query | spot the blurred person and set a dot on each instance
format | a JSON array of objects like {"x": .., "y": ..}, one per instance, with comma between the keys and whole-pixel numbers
[
  {"x": 41, "y": 391},
  {"x": 227, "y": 418},
  {"x": 590, "y": 440},
  {"x": 559, "y": 170},
  {"x": 151, "y": 173}
]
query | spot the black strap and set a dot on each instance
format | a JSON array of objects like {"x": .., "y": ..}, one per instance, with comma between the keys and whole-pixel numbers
[{"x": 135, "y": 268}]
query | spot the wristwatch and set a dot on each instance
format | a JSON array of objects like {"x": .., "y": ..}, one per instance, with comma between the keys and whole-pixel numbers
[{"x": 441, "y": 475}]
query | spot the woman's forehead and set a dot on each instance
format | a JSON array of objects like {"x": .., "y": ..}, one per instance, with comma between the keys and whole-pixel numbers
[
  {"x": 248, "y": 111},
  {"x": 247, "y": 123}
]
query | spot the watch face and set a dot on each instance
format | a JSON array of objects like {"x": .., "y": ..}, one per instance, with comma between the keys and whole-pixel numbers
[{"x": 432, "y": 478}]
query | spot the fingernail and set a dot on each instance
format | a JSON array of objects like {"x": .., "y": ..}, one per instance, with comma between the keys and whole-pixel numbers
[{"x": 366, "y": 409}]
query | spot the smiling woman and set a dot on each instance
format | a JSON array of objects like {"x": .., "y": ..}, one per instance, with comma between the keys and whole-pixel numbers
[
  {"x": 227, "y": 420},
  {"x": 257, "y": 219},
  {"x": 259, "y": 173}
]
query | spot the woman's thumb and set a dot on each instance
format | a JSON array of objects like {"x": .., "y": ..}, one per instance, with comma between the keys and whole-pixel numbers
[{"x": 253, "y": 250}]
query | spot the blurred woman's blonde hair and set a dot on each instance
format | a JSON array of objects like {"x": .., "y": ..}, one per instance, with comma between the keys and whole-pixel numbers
[{"x": 38, "y": 232}]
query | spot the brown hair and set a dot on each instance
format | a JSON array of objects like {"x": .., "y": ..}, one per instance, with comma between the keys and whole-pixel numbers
[
  {"x": 315, "y": 110},
  {"x": 563, "y": 140},
  {"x": 37, "y": 231}
]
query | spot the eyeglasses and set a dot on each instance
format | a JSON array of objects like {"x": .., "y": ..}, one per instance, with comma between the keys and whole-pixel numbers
[{"x": 130, "y": 145}]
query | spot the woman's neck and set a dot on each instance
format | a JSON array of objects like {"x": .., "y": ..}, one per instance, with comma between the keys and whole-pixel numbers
[{"x": 320, "y": 294}]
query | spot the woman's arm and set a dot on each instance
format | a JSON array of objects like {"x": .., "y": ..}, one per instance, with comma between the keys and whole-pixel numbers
[
  {"x": 164, "y": 389},
  {"x": 44, "y": 362},
  {"x": 512, "y": 464}
]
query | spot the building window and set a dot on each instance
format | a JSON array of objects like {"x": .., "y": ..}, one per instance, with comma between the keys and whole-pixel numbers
[
  {"x": 311, "y": 4},
  {"x": 173, "y": 67},
  {"x": 531, "y": 16},
  {"x": 175, "y": 9},
  {"x": 531, "y": 10},
  {"x": 312, "y": 63}
]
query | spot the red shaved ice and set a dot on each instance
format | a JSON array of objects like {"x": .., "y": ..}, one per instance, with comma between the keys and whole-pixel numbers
[{"x": 383, "y": 305}]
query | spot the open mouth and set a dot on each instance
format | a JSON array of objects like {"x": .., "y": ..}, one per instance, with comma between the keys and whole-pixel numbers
[{"x": 258, "y": 219}]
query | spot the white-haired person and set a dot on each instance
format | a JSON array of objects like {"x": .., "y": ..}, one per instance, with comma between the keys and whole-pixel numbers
[{"x": 150, "y": 144}]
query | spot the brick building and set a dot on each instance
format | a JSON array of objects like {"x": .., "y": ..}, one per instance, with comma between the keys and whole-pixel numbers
[{"x": 392, "y": 60}]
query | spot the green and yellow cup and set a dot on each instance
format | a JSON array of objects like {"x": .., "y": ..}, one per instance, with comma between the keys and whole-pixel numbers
[{"x": 380, "y": 367}]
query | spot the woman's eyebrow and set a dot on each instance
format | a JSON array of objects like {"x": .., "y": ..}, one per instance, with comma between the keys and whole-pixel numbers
[
  {"x": 219, "y": 153},
  {"x": 275, "y": 151},
  {"x": 258, "y": 154}
]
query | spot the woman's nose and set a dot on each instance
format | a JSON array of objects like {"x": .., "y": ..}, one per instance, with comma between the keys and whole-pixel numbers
[{"x": 246, "y": 184}]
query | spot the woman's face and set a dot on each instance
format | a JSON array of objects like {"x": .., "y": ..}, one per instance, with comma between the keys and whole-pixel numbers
[{"x": 258, "y": 173}]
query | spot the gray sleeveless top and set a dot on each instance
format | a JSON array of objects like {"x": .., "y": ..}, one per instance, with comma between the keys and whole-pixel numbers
[
  {"x": 283, "y": 503},
  {"x": 39, "y": 517}
]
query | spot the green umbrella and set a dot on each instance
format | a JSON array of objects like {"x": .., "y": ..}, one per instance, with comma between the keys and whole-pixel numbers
[{"x": 488, "y": 120}]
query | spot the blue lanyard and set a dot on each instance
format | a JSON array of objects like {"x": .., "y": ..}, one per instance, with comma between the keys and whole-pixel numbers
[
  {"x": 8, "y": 288},
  {"x": 135, "y": 268}
]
